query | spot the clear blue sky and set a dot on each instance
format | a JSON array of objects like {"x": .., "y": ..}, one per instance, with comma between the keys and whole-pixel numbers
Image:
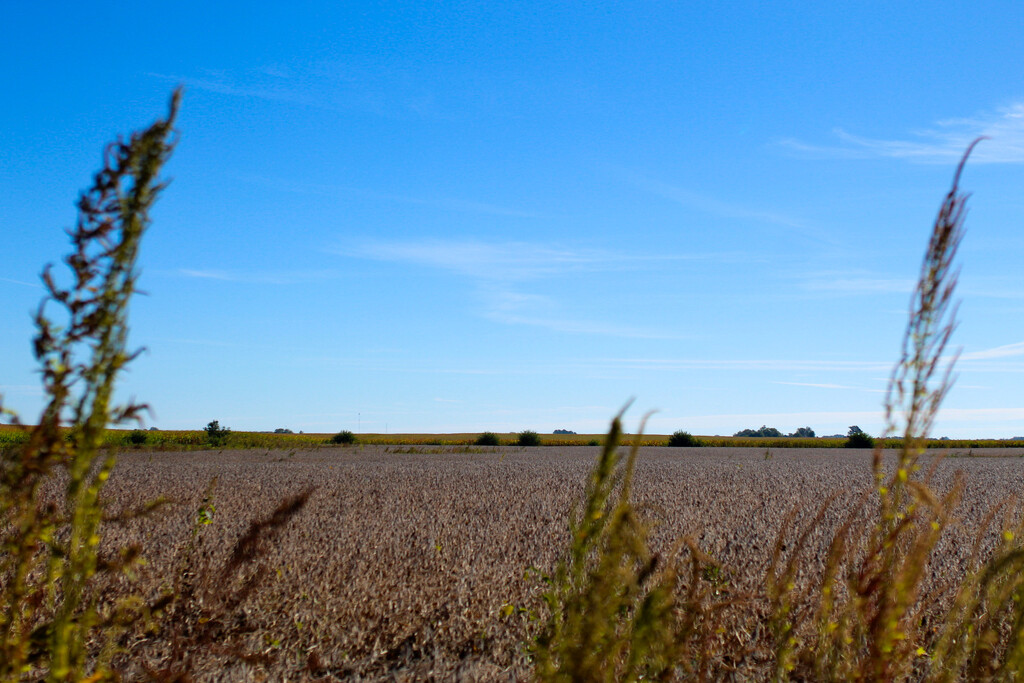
[{"x": 435, "y": 217}]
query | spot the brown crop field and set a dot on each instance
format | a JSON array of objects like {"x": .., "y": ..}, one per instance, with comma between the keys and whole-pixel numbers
[{"x": 428, "y": 563}]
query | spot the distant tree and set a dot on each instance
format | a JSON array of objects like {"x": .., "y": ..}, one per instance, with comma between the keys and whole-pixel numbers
[
  {"x": 215, "y": 434},
  {"x": 282, "y": 430},
  {"x": 762, "y": 432},
  {"x": 804, "y": 432},
  {"x": 563, "y": 431},
  {"x": 854, "y": 429}
]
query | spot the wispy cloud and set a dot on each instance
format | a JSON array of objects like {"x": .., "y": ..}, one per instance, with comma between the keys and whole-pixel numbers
[
  {"x": 21, "y": 282},
  {"x": 944, "y": 142},
  {"x": 717, "y": 207},
  {"x": 515, "y": 308},
  {"x": 1005, "y": 351},
  {"x": 858, "y": 285},
  {"x": 498, "y": 270},
  {"x": 259, "y": 84},
  {"x": 269, "y": 278},
  {"x": 830, "y": 386},
  {"x": 387, "y": 92},
  {"x": 671, "y": 364},
  {"x": 21, "y": 390},
  {"x": 804, "y": 417},
  {"x": 451, "y": 204},
  {"x": 196, "y": 342},
  {"x": 510, "y": 261},
  {"x": 983, "y": 414},
  {"x": 443, "y": 203}
]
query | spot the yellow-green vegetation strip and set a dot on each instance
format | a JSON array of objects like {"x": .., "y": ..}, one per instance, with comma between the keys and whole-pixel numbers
[{"x": 197, "y": 439}]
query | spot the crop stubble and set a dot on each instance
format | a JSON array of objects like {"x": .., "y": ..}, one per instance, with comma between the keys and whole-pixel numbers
[{"x": 405, "y": 566}]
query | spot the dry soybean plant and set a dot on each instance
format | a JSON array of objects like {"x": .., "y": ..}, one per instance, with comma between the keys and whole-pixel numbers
[{"x": 50, "y": 560}]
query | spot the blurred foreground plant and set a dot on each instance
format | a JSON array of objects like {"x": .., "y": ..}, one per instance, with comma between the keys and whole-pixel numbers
[
  {"x": 865, "y": 613},
  {"x": 50, "y": 544},
  {"x": 865, "y": 618},
  {"x": 616, "y": 611},
  {"x": 617, "y": 615}
]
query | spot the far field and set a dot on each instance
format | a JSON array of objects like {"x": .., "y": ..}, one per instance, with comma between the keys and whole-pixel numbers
[
  {"x": 197, "y": 438},
  {"x": 416, "y": 562}
]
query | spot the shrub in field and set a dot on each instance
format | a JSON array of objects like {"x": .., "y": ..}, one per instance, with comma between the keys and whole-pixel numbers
[
  {"x": 215, "y": 434},
  {"x": 859, "y": 440},
  {"x": 137, "y": 437},
  {"x": 528, "y": 438},
  {"x": 344, "y": 438},
  {"x": 51, "y": 623},
  {"x": 487, "y": 439},
  {"x": 682, "y": 439}
]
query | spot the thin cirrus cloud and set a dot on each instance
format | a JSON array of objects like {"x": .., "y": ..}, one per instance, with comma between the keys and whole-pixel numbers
[
  {"x": 495, "y": 269},
  {"x": 681, "y": 364},
  {"x": 510, "y": 261},
  {"x": 956, "y": 415},
  {"x": 266, "y": 278},
  {"x": 717, "y": 207},
  {"x": 21, "y": 282},
  {"x": 388, "y": 93},
  {"x": 516, "y": 308},
  {"x": 944, "y": 142},
  {"x": 859, "y": 285},
  {"x": 275, "y": 89},
  {"x": 343, "y": 191},
  {"x": 816, "y": 385},
  {"x": 1005, "y": 351}
]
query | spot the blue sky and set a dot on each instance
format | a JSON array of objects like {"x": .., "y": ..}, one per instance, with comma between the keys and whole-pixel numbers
[{"x": 437, "y": 217}]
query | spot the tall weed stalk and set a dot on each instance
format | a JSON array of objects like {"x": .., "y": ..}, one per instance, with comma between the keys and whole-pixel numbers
[
  {"x": 50, "y": 543},
  {"x": 617, "y": 615},
  {"x": 865, "y": 617},
  {"x": 616, "y": 612}
]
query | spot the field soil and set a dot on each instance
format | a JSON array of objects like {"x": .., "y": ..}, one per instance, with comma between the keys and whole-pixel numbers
[{"x": 428, "y": 562}]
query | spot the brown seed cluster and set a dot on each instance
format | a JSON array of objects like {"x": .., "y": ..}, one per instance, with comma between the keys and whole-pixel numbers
[{"x": 409, "y": 566}]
